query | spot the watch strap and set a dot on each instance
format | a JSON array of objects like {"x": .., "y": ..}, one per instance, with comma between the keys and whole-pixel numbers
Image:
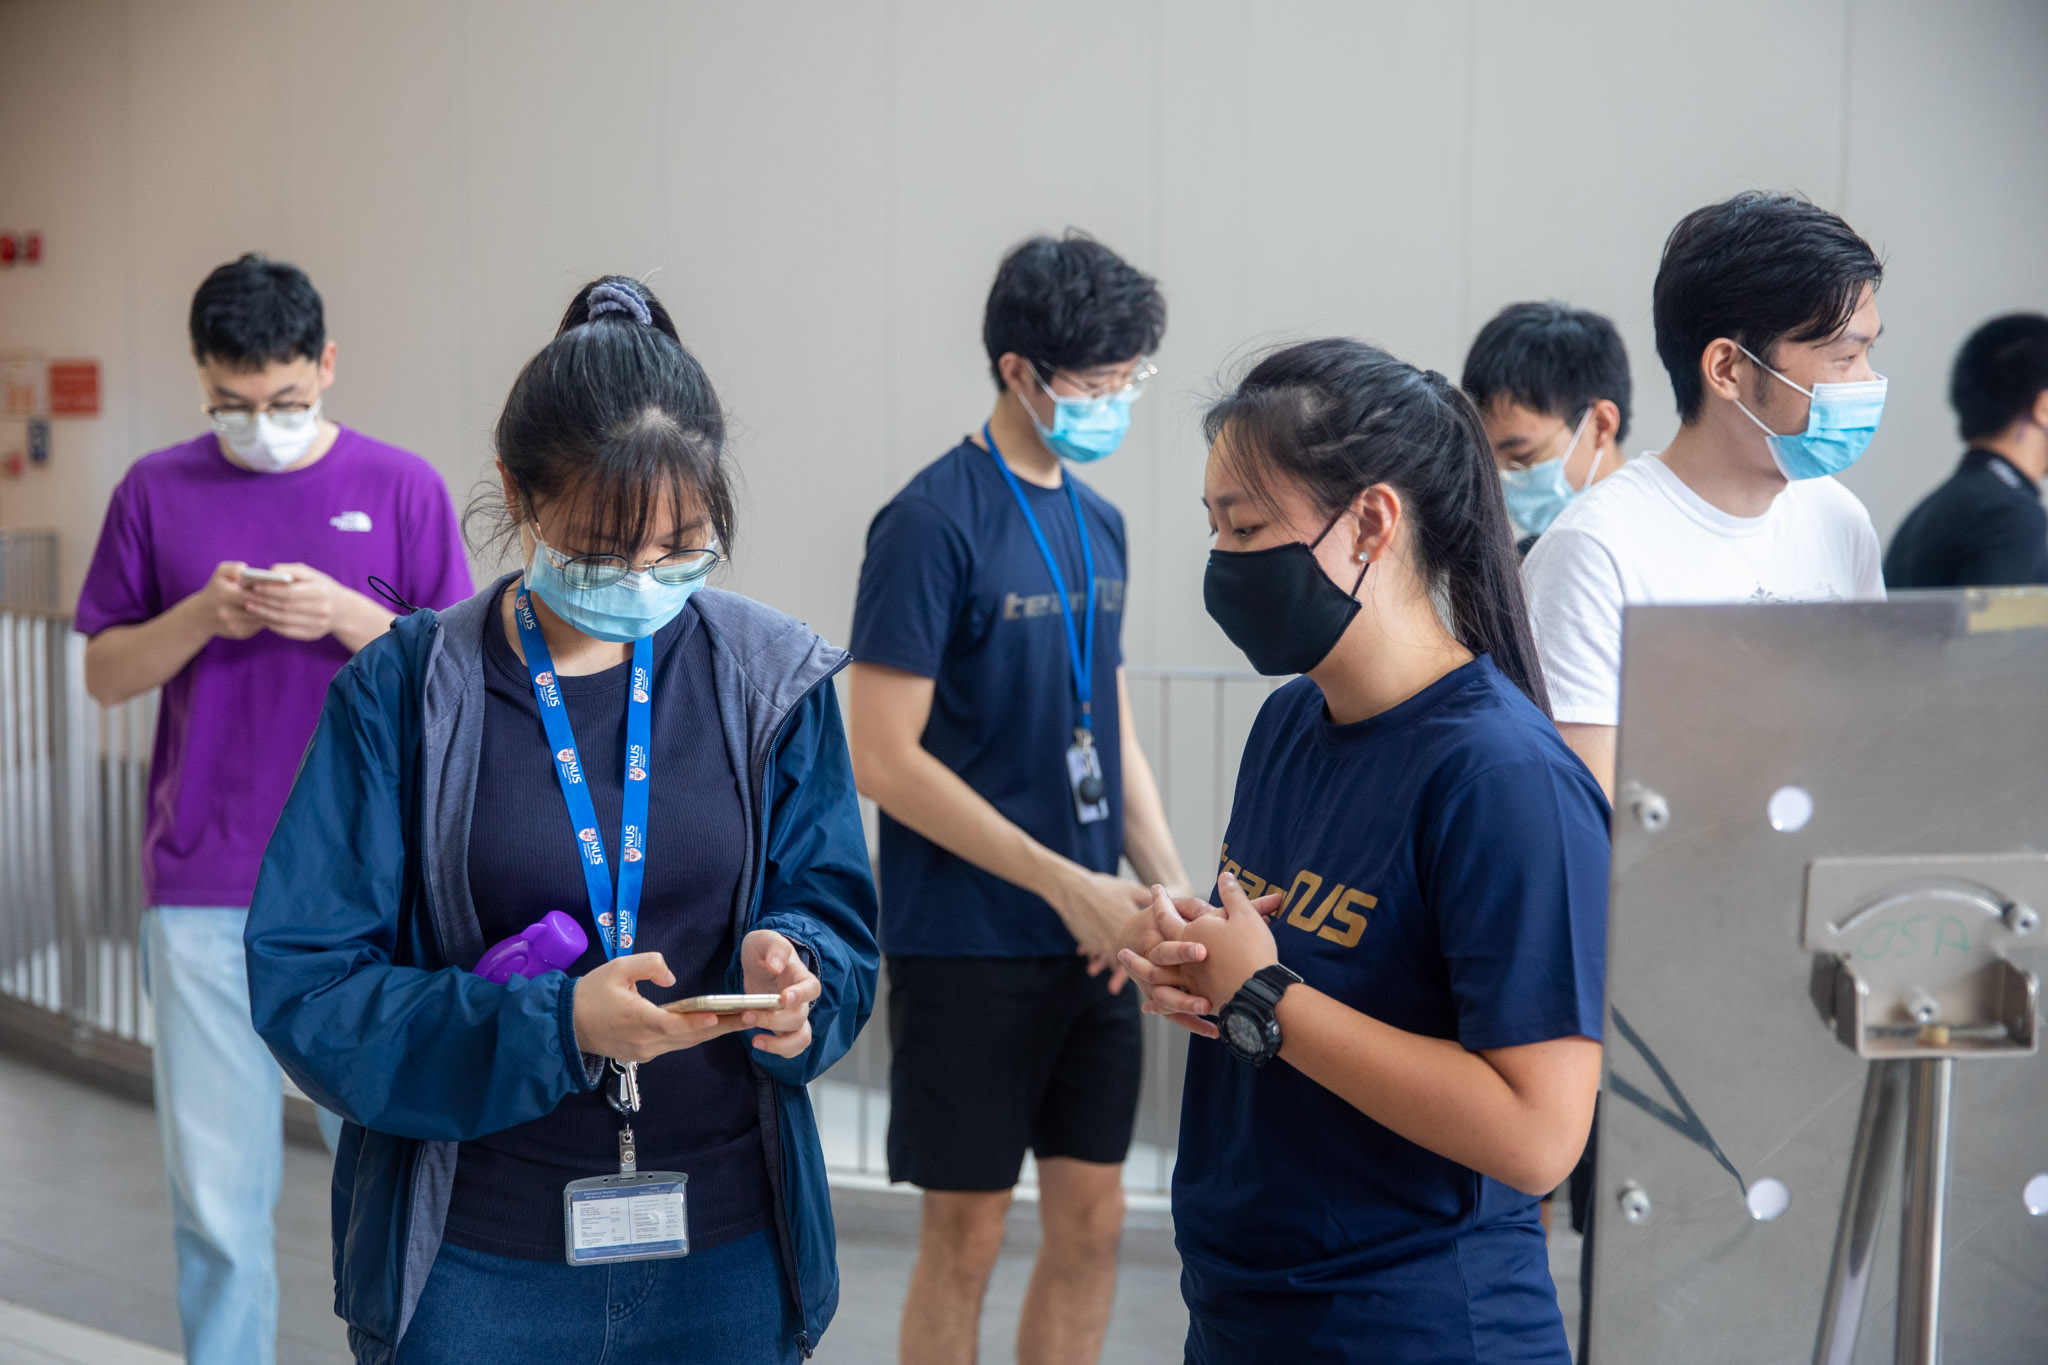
[{"x": 1263, "y": 989}]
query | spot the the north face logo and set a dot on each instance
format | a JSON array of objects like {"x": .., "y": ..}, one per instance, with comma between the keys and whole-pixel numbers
[{"x": 350, "y": 521}]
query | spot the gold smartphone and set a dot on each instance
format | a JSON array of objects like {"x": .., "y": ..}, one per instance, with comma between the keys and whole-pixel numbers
[
  {"x": 250, "y": 575},
  {"x": 723, "y": 1004}
]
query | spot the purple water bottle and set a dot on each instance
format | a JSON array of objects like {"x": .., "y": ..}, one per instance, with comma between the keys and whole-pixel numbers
[{"x": 549, "y": 944}]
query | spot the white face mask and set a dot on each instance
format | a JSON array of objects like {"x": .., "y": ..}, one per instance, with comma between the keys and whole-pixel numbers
[{"x": 269, "y": 442}]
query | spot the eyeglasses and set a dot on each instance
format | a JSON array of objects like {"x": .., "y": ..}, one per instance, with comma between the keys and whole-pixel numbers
[
  {"x": 234, "y": 421},
  {"x": 1131, "y": 392},
  {"x": 588, "y": 572}
]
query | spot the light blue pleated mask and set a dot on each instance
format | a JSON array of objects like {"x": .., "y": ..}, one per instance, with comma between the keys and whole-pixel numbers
[
  {"x": 1537, "y": 494},
  {"x": 1839, "y": 426},
  {"x": 1083, "y": 429},
  {"x": 631, "y": 609}
]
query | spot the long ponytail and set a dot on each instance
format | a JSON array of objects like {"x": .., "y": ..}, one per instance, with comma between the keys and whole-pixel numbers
[{"x": 1336, "y": 416}]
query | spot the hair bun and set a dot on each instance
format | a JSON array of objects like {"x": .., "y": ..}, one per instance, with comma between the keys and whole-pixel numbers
[{"x": 617, "y": 298}]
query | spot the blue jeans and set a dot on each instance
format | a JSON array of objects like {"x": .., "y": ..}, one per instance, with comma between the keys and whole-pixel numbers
[
  {"x": 220, "y": 1113},
  {"x": 725, "y": 1306}
]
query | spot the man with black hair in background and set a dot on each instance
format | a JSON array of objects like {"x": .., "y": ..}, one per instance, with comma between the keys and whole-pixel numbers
[
  {"x": 233, "y": 572},
  {"x": 1552, "y": 386},
  {"x": 988, "y": 718},
  {"x": 1766, "y": 310},
  {"x": 1985, "y": 527}
]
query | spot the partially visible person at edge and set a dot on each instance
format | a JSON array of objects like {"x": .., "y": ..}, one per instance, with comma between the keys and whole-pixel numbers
[
  {"x": 1407, "y": 947},
  {"x": 991, "y": 723},
  {"x": 1985, "y": 526},
  {"x": 1553, "y": 388},
  {"x": 1552, "y": 385},
  {"x": 600, "y": 732},
  {"x": 169, "y": 601},
  {"x": 1765, "y": 310}
]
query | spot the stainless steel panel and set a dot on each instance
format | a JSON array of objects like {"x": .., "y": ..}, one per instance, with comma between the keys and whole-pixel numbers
[{"x": 1917, "y": 727}]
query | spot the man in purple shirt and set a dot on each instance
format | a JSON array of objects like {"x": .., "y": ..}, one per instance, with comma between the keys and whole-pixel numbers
[{"x": 233, "y": 572}]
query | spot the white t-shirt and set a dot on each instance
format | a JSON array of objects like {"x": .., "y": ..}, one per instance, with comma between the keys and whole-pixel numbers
[{"x": 1642, "y": 537}]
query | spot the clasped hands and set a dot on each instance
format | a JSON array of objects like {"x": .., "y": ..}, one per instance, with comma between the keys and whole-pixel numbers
[{"x": 1188, "y": 958}]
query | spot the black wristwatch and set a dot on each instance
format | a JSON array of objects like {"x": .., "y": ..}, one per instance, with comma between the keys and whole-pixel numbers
[{"x": 1249, "y": 1029}]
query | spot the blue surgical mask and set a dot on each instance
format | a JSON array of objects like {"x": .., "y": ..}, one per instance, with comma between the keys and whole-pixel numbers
[
  {"x": 1083, "y": 429},
  {"x": 631, "y": 609},
  {"x": 1839, "y": 426},
  {"x": 1537, "y": 494}
]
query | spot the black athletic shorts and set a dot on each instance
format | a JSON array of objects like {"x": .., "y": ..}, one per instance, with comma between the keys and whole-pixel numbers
[{"x": 996, "y": 1054}]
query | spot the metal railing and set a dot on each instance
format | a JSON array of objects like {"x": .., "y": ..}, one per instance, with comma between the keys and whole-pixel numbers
[
  {"x": 73, "y": 777},
  {"x": 28, "y": 569},
  {"x": 72, "y": 781}
]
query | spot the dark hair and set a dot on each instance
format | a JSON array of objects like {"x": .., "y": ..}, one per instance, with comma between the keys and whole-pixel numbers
[
  {"x": 254, "y": 311},
  {"x": 1999, "y": 374},
  {"x": 616, "y": 411},
  {"x": 1758, "y": 269},
  {"x": 1551, "y": 358},
  {"x": 1334, "y": 417},
  {"x": 1069, "y": 304}
]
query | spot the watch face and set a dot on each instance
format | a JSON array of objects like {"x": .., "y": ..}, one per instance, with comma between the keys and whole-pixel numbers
[{"x": 1244, "y": 1032}]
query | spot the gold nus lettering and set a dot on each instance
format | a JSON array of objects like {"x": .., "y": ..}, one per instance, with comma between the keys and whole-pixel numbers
[
  {"x": 1338, "y": 916},
  {"x": 1352, "y": 920}
]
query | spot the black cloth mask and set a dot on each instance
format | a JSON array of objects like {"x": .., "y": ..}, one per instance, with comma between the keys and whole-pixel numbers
[{"x": 1278, "y": 606}]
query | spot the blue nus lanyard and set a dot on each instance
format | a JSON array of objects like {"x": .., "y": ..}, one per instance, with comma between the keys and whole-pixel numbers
[
  {"x": 576, "y": 792},
  {"x": 1081, "y": 645}
]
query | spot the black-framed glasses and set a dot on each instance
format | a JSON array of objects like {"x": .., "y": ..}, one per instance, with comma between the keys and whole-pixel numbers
[{"x": 589, "y": 572}]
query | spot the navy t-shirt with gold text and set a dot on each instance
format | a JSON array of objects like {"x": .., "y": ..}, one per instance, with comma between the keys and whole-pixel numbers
[{"x": 1445, "y": 868}]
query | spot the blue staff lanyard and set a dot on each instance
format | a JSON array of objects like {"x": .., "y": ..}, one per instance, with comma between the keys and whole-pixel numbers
[
  {"x": 1081, "y": 644},
  {"x": 554, "y": 718}
]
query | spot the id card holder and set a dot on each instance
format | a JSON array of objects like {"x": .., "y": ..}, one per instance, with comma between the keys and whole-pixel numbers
[
  {"x": 1084, "y": 778},
  {"x": 638, "y": 1217}
]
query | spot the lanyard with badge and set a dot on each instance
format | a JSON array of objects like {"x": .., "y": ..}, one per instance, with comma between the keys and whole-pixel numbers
[
  {"x": 635, "y": 1215},
  {"x": 1084, "y": 764}
]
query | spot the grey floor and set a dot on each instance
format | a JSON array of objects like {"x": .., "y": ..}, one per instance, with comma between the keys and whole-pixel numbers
[{"x": 85, "y": 1238}]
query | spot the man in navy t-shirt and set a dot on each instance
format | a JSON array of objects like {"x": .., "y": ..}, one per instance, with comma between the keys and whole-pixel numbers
[{"x": 988, "y": 719}]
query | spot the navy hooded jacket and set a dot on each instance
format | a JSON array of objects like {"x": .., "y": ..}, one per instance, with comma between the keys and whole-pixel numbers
[{"x": 362, "y": 932}]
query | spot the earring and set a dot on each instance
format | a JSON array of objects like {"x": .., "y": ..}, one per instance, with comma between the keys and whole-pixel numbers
[{"x": 1361, "y": 556}]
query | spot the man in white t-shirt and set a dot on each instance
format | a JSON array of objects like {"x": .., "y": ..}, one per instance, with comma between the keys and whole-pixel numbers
[{"x": 1765, "y": 310}]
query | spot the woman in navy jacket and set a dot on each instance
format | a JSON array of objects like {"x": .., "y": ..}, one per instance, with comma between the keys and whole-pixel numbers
[{"x": 438, "y": 810}]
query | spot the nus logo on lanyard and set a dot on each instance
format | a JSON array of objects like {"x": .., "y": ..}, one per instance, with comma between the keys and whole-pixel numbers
[
  {"x": 615, "y": 911},
  {"x": 1337, "y": 914},
  {"x": 635, "y": 1215}
]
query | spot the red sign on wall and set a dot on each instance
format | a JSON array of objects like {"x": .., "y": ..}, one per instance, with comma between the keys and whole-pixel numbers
[{"x": 74, "y": 388}]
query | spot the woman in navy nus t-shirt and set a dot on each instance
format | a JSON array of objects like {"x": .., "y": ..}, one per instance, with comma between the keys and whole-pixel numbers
[{"x": 1411, "y": 843}]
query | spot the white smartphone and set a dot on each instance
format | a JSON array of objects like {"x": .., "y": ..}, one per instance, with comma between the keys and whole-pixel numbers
[
  {"x": 723, "y": 1004},
  {"x": 250, "y": 575}
]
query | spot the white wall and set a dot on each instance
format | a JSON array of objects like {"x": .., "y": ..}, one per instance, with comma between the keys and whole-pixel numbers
[{"x": 825, "y": 188}]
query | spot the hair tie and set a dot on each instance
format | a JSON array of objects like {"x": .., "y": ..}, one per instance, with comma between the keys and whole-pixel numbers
[{"x": 613, "y": 298}]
